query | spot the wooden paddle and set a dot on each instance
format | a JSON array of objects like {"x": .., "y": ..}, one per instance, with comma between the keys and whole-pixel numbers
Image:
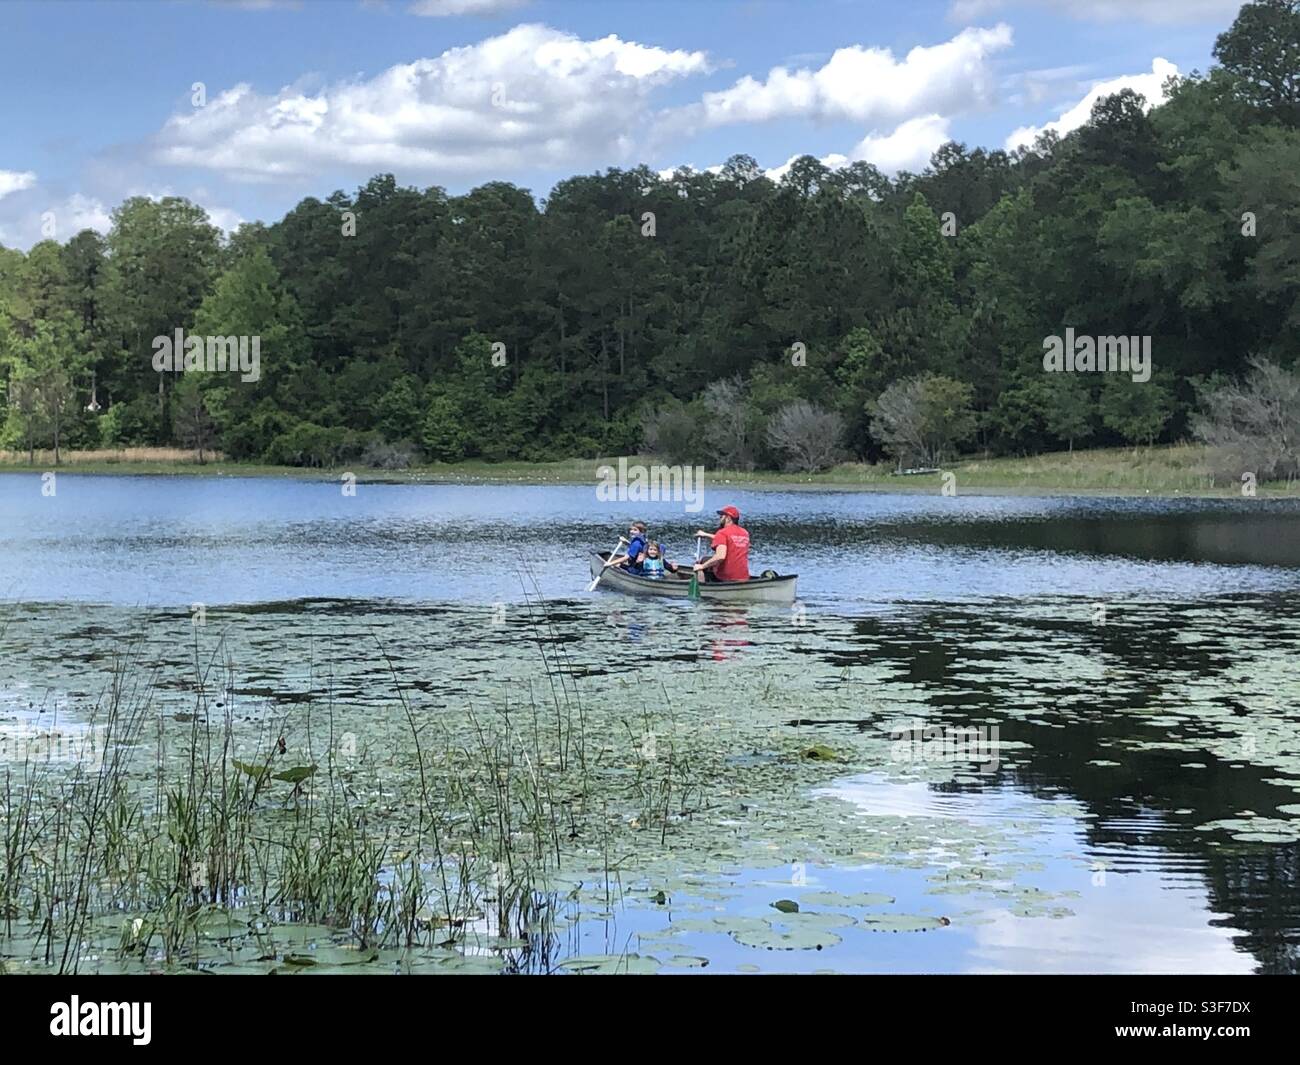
[
  {"x": 693, "y": 592},
  {"x": 592, "y": 586}
]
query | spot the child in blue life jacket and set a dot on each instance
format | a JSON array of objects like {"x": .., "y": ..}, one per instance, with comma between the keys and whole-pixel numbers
[{"x": 653, "y": 566}]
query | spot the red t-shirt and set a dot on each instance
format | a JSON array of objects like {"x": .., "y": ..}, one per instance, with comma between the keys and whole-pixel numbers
[{"x": 735, "y": 567}]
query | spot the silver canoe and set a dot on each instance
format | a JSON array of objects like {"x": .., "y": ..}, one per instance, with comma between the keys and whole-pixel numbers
[{"x": 754, "y": 590}]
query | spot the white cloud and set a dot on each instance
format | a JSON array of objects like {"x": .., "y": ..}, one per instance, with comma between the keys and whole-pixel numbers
[
  {"x": 667, "y": 175},
  {"x": 1151, "y": 11},
  {"x": 448, "y": 8},
  {"x": 909, "y": 147},
  {"x": 869, "y": 85},
  {"x": 60, "y": 220},
  {"x": 80, "y": 212},
  {"x": 832, "y": 162},
  {"x": 224, "y": 218},
  {"x": 15, "y": 181},
  {"x": 531, "y": 97},
  {"x": 1149, "y": 85},
  {"x": 39, "y": 219}
]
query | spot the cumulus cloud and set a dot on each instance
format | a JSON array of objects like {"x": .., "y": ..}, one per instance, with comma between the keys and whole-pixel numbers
[
  {"x": 15, "y": 181},
  {"x": 449, "y": 8},
  {"x": 80, "y": 212},
  {"x": 833, "y": 162},
  {"x": 533, "y": 96},
  {"x": 44, "y": 216},
  {"x": 39, "y": 219},
  {"x": 869, "y": 85},
  {"x": 667, "y": 175},
  {"x": 224, "y": 218},
  {"x": 1151, "y": 11},
  {"x": 1149, "y": 85},
  {"x": 909, "y": 147}
]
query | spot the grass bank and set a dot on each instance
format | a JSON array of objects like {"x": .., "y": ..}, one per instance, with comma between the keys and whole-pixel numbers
[{"x": 1175, "y": 470}]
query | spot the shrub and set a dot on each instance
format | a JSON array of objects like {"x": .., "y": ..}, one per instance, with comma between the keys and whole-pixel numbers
[
  {"x": 807, "y": 436},
  {"x": 383, "y": 455},
  {"x": 1253, "y": 425}
]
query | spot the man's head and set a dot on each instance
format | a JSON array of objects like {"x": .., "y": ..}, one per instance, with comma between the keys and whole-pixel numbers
[{"x": 728, "y": 516}]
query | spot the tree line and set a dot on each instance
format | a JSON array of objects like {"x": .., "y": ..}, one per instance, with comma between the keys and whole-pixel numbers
[{"x": 710, "y": 317}]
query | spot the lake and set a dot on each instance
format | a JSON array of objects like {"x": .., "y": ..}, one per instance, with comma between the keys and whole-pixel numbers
[{"x": 1022, "y": 734}]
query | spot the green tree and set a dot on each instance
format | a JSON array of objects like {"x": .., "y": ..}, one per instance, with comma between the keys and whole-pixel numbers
[
  {"x": 162, "y": 257},
  {"x": 248, "y": 300},
  {"x": 1137, "y": 410},
  {"x": 44, "y": 372},
  {"x": 442, "y": 435},
  {"x": 1068, "y": 407},
  {"x": 192, "y": 422},
  {"x": 1262, "y": 51},
  {"x": 399, "y": 411}
]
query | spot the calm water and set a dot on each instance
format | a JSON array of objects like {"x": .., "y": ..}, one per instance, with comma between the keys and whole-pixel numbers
[
  {"x": 169, "y": 541},
  {"x": 1133, "y": 732}
]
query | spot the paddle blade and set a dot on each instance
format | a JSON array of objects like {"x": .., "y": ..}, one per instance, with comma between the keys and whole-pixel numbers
[
  {"x": 693, "y": 592},
  {"x": 592, "y": 586}
]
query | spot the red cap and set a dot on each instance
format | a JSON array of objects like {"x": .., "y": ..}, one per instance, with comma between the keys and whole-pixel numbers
[{"x": 731, "y": 512}]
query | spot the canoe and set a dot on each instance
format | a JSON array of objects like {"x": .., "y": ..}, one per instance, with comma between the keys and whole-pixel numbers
[{"x": 779, "y": 589}]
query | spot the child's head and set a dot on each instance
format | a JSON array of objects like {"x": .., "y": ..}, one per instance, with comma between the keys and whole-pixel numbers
[{"x": 652, "y": 549}]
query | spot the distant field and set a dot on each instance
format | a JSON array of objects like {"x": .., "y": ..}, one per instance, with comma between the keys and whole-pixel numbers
[{"x": 1180, "y": 469}]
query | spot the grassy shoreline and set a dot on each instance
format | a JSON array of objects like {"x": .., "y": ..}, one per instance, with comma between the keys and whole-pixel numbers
[{"x": 1171, "y": 471}]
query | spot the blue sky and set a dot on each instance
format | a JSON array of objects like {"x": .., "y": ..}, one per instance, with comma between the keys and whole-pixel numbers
[{"x": 302, "y": 98}]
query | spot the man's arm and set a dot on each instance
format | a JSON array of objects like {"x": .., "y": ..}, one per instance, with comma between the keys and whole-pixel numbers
[{"x": 715, "y": 559}]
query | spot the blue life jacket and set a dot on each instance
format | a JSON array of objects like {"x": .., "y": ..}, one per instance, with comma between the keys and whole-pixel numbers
[
  {"x": 633, "y": 549},
  {"x": 653, "y": 567}
]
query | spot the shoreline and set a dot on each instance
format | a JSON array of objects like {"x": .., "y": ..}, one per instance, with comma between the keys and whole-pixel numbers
[{"x": 1171, "y": 473}]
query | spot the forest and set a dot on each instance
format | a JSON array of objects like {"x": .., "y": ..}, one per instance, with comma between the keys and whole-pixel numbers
[{"x": 720, "y": 318}]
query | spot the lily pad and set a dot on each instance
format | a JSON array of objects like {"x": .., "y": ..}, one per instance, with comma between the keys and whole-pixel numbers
[
  {"x": 902, "y": 922},
  {"x": 687, "y": 961},
  {"x": 819, "y": 752},
  {"x": 296, "y": 775},
  {"x": 834, "y": 898},
  {"x": 786, "y": 933},
  {"x": 613, "y": 964}
]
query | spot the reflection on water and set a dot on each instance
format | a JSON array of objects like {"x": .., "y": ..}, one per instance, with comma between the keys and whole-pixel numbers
[
  {"x": 1161, "y": 911},
  {"x": 1136, "y": 657}
]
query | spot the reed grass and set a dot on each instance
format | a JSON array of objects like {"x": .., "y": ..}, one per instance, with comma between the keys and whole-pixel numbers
[
  {"x": 162, "y": 858},
  {"x": 44, "y": 457}
]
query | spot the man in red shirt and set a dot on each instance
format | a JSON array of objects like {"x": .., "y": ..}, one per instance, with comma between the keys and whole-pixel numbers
[{"x": 730, "y": 558}]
